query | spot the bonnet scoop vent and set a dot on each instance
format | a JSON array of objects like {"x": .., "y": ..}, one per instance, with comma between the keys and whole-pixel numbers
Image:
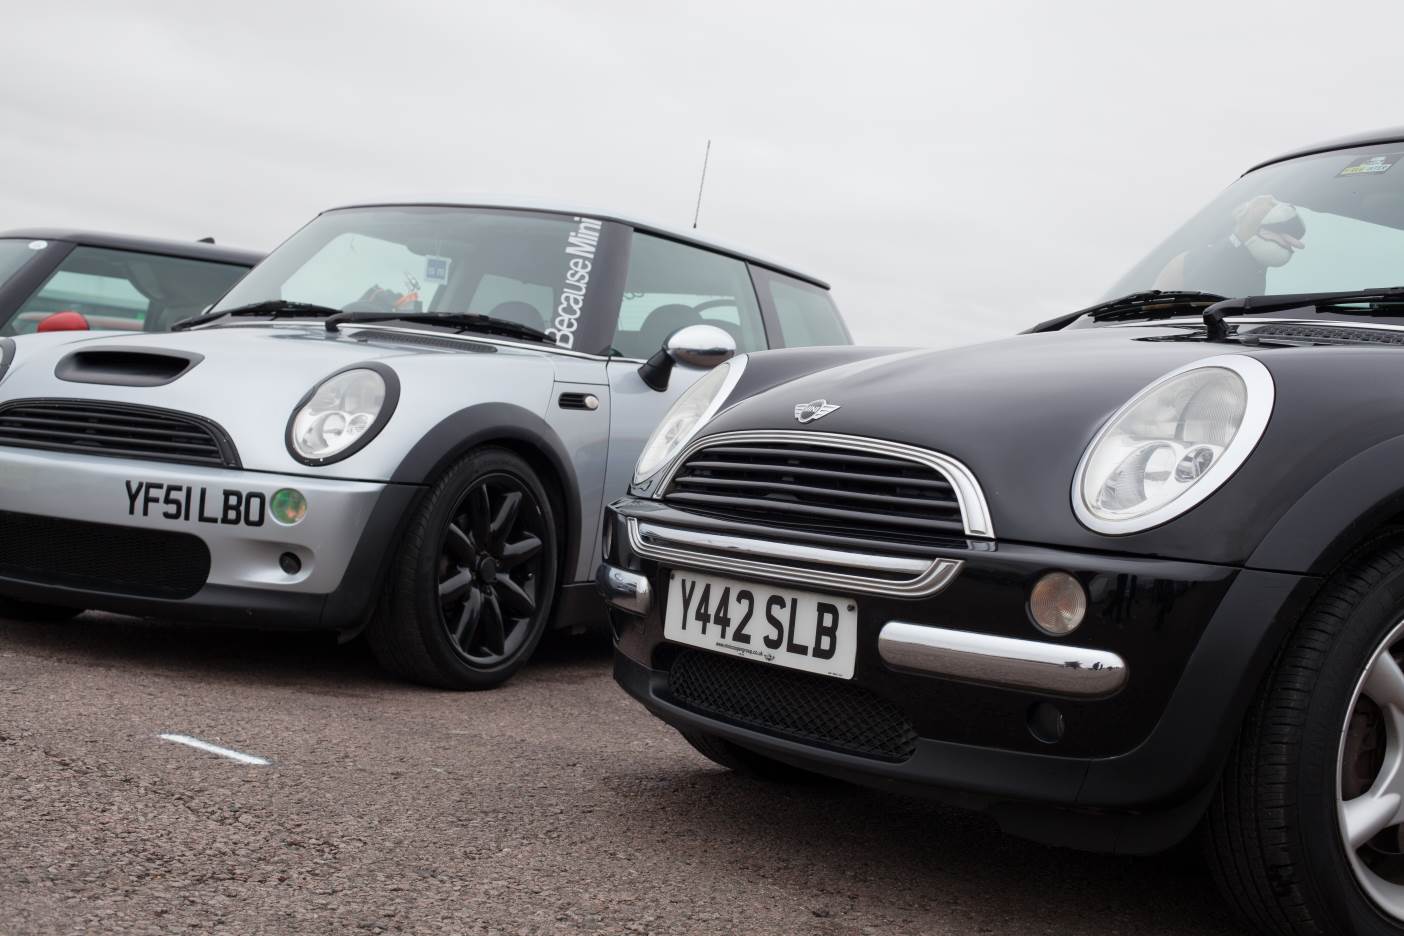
[{"x": 128, "y": 367}]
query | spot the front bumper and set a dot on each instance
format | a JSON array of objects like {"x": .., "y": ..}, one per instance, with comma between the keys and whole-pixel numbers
[
  {"x": 103, "y": 508},
  {"x": 1149, "y": 696}
]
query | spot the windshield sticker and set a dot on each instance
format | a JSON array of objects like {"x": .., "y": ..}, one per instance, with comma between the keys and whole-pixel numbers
[
  {"x": 580, "y": 249},
  {"x": 1370, "y": 165},
  {"x": 436, "y": 270},
  {"x": 38, "y": 245}
]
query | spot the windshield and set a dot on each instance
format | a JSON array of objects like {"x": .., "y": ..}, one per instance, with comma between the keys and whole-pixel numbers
[
  {"x": 528, "y": 269},
  {"x": 1324, "y": 223},
  {"x": 15, "y": 254}
]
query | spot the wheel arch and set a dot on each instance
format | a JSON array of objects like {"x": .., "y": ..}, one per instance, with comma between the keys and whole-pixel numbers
[
  {"x": 1353, "y": 505},
  {"x": 514, "y": 428}
]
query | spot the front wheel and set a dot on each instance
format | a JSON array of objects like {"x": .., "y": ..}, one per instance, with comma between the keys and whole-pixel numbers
[
  {"x": 1306, "y": 834},
  {"x": 472, "y": 582}
]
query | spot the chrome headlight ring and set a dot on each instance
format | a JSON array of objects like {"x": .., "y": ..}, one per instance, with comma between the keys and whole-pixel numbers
[{"x": 1173, "y": 444}]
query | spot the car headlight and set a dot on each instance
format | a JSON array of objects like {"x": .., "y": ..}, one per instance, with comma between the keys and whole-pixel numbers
[
  {"x": 1173, "y": 444},
  {"x": 687, "y": 415},
  {"x": 342, "y": 414}
]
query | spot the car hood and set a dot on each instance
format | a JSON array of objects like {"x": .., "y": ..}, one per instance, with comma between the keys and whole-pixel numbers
[
  {"x": 248, "y": 379},
  {"x": 1020, "y": 412}
]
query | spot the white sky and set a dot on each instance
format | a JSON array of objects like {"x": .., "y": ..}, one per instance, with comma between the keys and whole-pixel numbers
[{"x": 956, "y": 170}]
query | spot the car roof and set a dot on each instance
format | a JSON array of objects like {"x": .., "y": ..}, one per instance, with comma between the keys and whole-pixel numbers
[
  {"x": 190, "y": 250},
  {"x": 514, "y": 203},
  {"x": 1367, "y": 138}
]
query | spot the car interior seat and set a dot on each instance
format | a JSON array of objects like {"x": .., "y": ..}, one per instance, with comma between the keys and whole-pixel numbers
[{"x": 662, "y": 322}]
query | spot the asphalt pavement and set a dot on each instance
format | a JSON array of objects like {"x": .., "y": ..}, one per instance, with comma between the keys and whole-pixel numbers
[{"x": 554, "y": 804}]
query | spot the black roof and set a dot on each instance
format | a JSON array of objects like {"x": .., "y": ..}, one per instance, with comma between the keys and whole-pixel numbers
[
  {"x": 190, "y": 250},
  {"x": 1369, "y": 138}
]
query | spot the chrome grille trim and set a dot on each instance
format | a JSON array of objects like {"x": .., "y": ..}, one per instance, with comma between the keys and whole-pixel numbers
[
  {"x": 974, "y": 511},
  {"x": 746, "y": 557}
]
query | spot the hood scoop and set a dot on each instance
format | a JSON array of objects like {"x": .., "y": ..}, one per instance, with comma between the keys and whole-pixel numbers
[{"x": 128, "y": 367}]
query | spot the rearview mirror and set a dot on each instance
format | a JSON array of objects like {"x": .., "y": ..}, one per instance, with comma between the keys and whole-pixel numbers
[{"x": 694, "y": 346}]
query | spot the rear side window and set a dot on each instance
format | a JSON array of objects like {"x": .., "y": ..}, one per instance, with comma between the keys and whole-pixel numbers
[
  {"x": 125, "y": 290},
  {"x": 806, "y": 313},
  {"x": 672, "y": 285}
]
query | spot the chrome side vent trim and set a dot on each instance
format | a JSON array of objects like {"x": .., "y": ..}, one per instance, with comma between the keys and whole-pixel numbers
[
  {"x": 579, "y": 401},
  {"x": 832, "y": 570}
]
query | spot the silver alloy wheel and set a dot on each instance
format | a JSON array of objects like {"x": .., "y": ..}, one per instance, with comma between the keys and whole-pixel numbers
[{"x": 1370, "y": 779}]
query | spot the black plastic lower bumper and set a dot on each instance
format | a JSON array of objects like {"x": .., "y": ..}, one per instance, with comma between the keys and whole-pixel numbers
[{"x": 1135, "y": 769}]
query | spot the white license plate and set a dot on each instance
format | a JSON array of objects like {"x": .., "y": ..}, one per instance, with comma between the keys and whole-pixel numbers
[{"x": 799, "y": 629}]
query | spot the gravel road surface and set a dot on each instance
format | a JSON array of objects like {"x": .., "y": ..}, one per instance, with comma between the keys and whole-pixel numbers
[{"x": 552, "y": 805}]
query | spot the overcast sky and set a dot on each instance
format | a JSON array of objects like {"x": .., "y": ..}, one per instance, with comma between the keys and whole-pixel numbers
[{"x": 956, "y": 170}]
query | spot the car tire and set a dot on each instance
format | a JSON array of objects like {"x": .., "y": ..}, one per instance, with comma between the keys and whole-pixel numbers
[
  {"x": 746, "y": 762},
  {"x": 1275, "y": 833},
  {"x": 472, "y": 583},
  {"x": 32, "y": 611}
]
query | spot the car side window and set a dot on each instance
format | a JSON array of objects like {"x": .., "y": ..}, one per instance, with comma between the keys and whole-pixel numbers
[
  {"x": 672, "y": 285},
  {"x": 806, "y": 313},
  {"x": 126, "y": 290}
]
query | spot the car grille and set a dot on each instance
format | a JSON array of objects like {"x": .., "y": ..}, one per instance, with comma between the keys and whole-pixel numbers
[
  {"x": 823, "y": 487},
  {"x": 116, "y": 429},
  {"x": 101, "y": 556},
  {"x": 802, "y": 706}
]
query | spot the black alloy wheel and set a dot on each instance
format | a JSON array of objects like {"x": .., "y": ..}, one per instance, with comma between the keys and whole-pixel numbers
[
  {"x": 490, "y": 569},
  {"x": 471, "y": 585}
]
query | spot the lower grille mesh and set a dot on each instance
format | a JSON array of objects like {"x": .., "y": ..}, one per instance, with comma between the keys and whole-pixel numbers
[
  {"x": 102, "y": 557},
  {"x": 815, "y": 709}
]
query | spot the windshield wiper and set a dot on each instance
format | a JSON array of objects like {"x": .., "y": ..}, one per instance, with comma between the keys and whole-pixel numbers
[
  {"x": 463, "y": 321},
  {"x": 1375, "y": 302},
  {"x": 273, "y": 308},
  {"x": 1149, "y": 303}
]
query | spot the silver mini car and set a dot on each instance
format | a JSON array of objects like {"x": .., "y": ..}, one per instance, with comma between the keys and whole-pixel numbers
[{"x": 408, "y": 418}]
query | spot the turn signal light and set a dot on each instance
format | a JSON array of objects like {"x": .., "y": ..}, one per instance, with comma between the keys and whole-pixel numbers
[{"x": 1057, "y": 604}]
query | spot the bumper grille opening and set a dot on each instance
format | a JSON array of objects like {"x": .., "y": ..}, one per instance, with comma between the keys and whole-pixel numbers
[
  {"x": 804, "y": 484},
  {"x": 800, "y": 706},
  {"x": 102, "y": 557},
  {"x": 93, "y": 427}
]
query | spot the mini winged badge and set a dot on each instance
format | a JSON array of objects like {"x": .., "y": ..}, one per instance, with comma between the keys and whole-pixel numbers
[{"x": 814, "y": 409}]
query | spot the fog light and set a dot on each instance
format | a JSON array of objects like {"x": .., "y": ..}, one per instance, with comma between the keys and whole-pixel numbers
[
  {"x": 290, "y": 563},
  {"x": 288, "y": 507},
  {"x": 1057, "y": 604}
]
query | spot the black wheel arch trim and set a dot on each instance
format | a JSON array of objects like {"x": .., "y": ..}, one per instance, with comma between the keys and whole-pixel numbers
[
  {"x": 474, "y": 426},
  {"x": 387, "y": 410},
  {"x": 1337, "y": 513}
]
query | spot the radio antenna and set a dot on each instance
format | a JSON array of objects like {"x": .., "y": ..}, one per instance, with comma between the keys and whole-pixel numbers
[{"x": 705, "y": 156}]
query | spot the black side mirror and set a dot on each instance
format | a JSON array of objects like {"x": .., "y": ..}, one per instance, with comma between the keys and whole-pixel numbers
[{"x": 694, "y": 346}]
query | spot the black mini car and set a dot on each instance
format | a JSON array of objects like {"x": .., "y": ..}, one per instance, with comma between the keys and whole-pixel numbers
[
  {"x": 65, "y": 280},
  {"x": 1137, "y": 573}
]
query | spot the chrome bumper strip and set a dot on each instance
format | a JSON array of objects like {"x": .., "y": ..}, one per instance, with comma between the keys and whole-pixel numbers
[
  {"x": 743, "y": 556},
  {"x": 1002, "y": 661},
  {"x": 627, "y": 591}
]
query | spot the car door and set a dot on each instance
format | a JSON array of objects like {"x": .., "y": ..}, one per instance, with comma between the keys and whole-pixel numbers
[{"x": 669, "y": 285}]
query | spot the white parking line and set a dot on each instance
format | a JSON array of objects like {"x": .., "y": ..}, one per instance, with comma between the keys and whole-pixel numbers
[{"x": 196, "y": 743}]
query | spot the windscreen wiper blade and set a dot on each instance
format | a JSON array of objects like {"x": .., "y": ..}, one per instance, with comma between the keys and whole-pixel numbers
[
  {"x": 273, "y": 308},
  {"x": 1146, "y": 304},
  {"x": 1384, "y": 300},
  {"x": 463, "y": 321}
]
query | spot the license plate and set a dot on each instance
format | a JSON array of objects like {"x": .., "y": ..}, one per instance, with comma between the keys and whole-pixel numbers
[{"x": 798, "y": 629}]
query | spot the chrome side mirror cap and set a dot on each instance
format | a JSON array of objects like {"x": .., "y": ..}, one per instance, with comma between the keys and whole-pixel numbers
[{"x": 702, "y": 346}]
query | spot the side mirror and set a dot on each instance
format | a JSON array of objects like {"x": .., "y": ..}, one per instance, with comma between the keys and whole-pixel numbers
[
  {"x": 66, "y": 320},
  {"x": 693, "y": 346}
]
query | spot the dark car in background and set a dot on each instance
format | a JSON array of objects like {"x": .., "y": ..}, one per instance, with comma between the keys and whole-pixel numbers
[
  {"x": 62, "y": 280},
  {"x": 1136, "y": 574}
]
